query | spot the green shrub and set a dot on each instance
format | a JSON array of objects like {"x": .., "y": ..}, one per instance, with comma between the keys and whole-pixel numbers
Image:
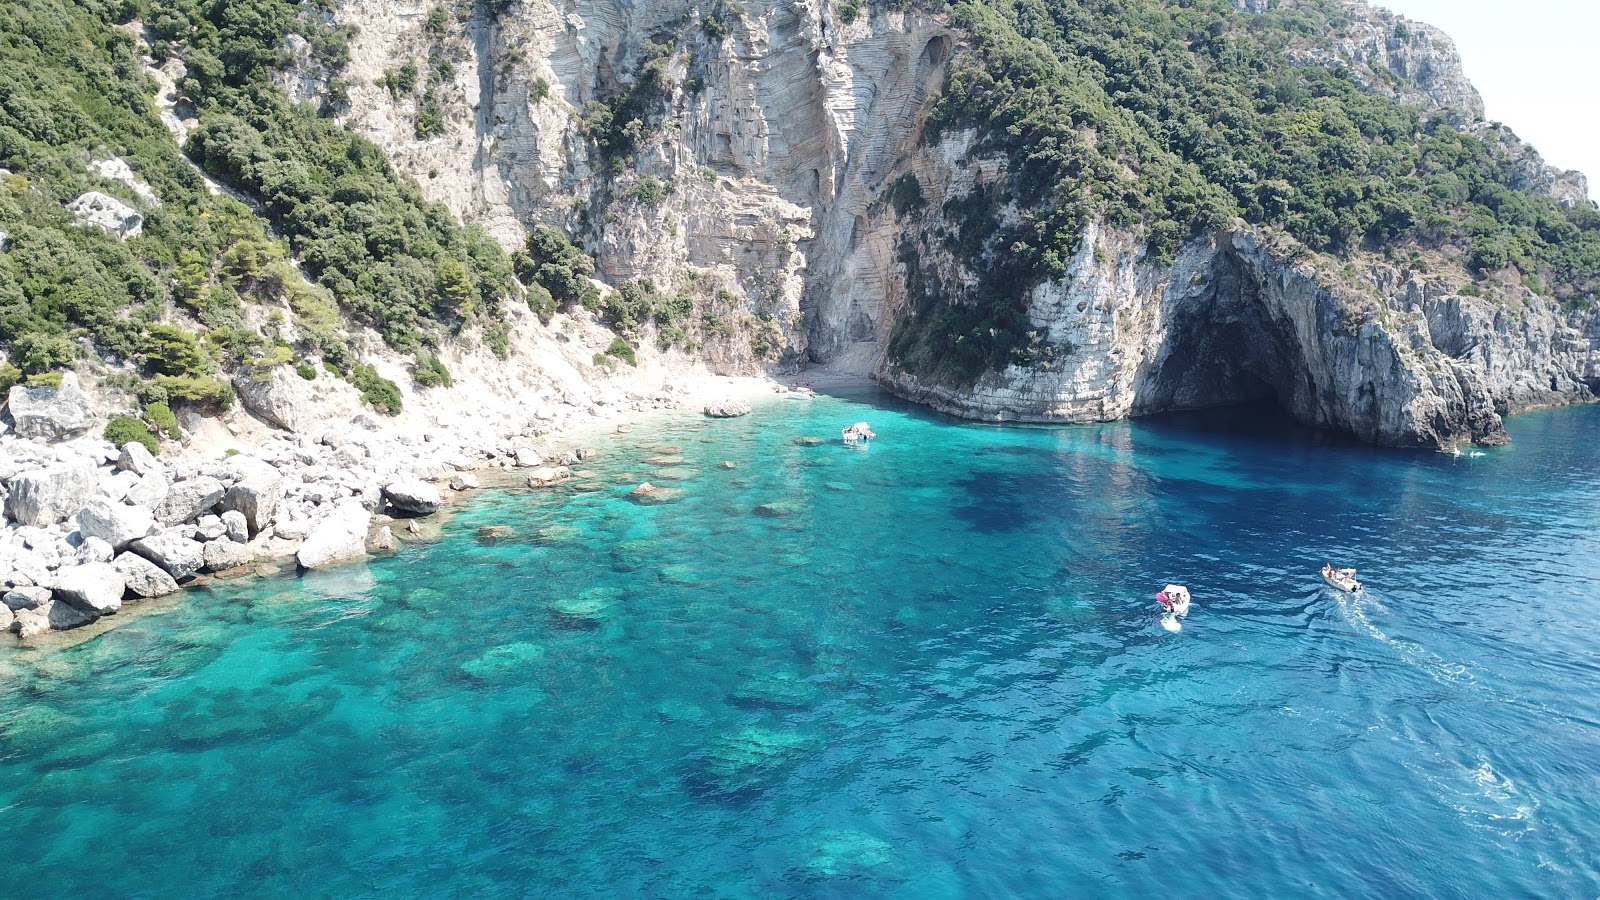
[
  {"x": 431, "y": 372},
  {"x": 306, "y": 370},
  {"x": 202, "y": 390},
  {"x": 34, "y": 353},
  {"x": 161, "y": 416},
  {"x": 651, "y": 191},
  {"x": 45, "y": 380},
  {"x": 10, "y": 377},
  {"x": 621, "y": 349},
  {"x": 563, "y": 270},
  {"x": 377, "y": 391},
  {"x": 127, "y": 429},
  {"x": 170, "y": 350},
  {"x": 716, "y": 27}
]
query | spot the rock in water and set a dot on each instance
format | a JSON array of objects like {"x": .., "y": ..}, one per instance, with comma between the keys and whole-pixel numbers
[
  {"x": 179, "y": 556},
  {"x": 548, "y": 476},
  {"x": 504, "y": 662},
  {"x": 463, "y": 481},
  {"x": 382, "y": 540},
  {"x": 117, "y": 524},
  {"x": 257, "y": 493},
  {"x": 54, "y": 414},
  {"x": 53, "y": 615},
  {"x": 495, "y": 534},
  {"x": 143, "y": 577},
  {"x": 728, "y": 409},
  {"x": 50, "y": 495},
  {"x": 413, "y": 496},
  {"x": 94, "y": 588},
  {"x": 341, "y": 536},
  {"x": 187, "y": 500}
]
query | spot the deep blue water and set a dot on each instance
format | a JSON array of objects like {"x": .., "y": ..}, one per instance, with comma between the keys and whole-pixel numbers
[{"x": 929, "y": 669}]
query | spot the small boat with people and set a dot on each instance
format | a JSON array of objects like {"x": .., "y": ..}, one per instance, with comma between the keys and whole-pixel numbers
[
  {"x": 1174, "y": 600},
  {"x": 1341, "y": 579},
  {"x": 859, "y": 433}
]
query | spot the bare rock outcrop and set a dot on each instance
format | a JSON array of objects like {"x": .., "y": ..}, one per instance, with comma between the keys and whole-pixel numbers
[{"x": 54, "y": 414}]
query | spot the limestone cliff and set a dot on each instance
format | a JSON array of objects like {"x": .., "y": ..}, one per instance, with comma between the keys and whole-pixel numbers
[{"x": 760, "y": 183}]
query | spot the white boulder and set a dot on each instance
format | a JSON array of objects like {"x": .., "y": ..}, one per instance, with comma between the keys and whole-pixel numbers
[
  {"x": 108, "y": 214},
  {"x": 256, "y": 493},
  {"x": 143, "y": 577},
  {"x": 728, "y": 409},
  {"x": 412, "y": 495},
  {"x": 54, "y": 414},
  {"x": 49, "y": 495},
  {"x": 178, "y": 555},
  {"x": 188, "y": 499},
  {"x": 340, "y": 536},
  {"x": 223, "y": 554},
  {"x": 95, "y": 587},
  {"x": 115, "y": 523}
]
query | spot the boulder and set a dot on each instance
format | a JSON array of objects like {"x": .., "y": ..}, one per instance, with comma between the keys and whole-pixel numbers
[
  {"x": 26, "y": 598},
  {"x": 280, "y": 397},
  {"x": 187, "y": 500},
  {"x": 50, "y": 616},
  {"x": 527, "y": 457},
  {"x": 94, "y": 587},
  {"x": 54, "y": 414},
  {"x": 49, "y": 495},
  {"x": 340, "y": 536},
  {"x": 115, "y": 523},
  {"x": 382, "y": 540},
  {"x": 412, "y": 495},
  {"x": 548, "y": 476},
  {"x": 463, "y": 481},
  {"x": 223, "y": 554},
  {"x": 256, "y": 493},
  {"x": 94, "y": 550},
  {"x": 116, "y": 487},
  {"x": 728, "y": 409},
  {"x": 136, "y": 458},
  {"x": 108, "y": 214},
  {"x": 179, "y": 556},
  {"x": 143, "y": 577},
  {"x": 7, "y": 618},
  {"x": 149, "y": 491},
  {"x": 235, "y": 527}
]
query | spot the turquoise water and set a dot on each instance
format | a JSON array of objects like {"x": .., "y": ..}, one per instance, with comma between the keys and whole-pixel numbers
[{"x": 928, "y": 669}]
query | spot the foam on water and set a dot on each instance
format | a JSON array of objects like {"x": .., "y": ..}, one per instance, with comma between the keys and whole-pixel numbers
[{"x": 924, "y": 669}]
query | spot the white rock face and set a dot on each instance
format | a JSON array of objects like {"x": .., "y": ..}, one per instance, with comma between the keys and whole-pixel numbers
[
  {"x": 108, "y": 214},
  {"x": 235, "y": 526},
  {"x": 187, "y": 499},
  {"x": 115, "y": 523},
  {"x": 223, "y": 554},
  {"x": 94, "y": 588},
  {"x": 54, "y": 414},
  {"x": 179, "y": 556},
  {"x": 117, "y": 169},
  {"x": 256, "y": 493},
  {"x": 136, "y": 458},
  {"x": 341, "y": 536},
  {"x": 144, "y": 578},
  {"x": 47, "y": 496},
  {"x": 413, "y": 496}
]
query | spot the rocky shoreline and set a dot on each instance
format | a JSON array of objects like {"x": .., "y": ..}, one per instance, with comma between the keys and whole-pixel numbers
[{"x": 90, "y": 526}]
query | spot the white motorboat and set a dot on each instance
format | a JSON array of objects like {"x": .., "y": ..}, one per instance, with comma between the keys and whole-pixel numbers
[{"x": 1341, "y": 579}]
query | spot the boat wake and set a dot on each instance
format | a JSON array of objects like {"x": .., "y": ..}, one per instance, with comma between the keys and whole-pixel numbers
[{"x": 1353, "y": 608}]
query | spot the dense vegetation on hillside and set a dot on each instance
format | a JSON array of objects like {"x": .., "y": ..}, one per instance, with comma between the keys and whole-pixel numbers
[
  {"x": 74, "y": 91},
  {"x": 1177, "y": 116}
]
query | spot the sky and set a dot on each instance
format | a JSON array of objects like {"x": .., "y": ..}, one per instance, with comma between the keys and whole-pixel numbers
[{"x": 1537, "y": 65}]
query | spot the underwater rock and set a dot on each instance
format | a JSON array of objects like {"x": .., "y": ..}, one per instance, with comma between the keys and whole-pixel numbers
[
  {"x": 776, "y": 510},
  {"x": 850, "y": 854},
  {"x": 809, "y": 441},
  {"x": 728, "y": 464},
  {"x": 664, "y": 460},
  {"x": 588, "y": 609},
  {"x": 676, "y": 710},
  {"x": 504, "y": 662},
  {"x": 785, "y": 690},
  {"x": 751, "y": 758},
  {"x": 589, "y": 487},
  {"x": 673, "y": 474},
  {"x": 628, "y": 556},
  {"x": 680, "y": 573},
  {"x": 489, "y": 535},
  {"x": 552, "y": 535}
]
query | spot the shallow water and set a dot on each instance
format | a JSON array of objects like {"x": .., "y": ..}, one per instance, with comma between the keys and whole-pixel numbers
[{"x": 928, "y": 669}]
